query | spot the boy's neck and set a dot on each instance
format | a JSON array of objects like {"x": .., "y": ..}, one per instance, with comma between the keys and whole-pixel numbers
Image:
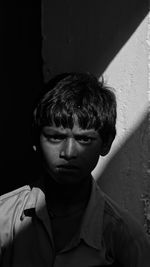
[{"x": 67, "y": 199}]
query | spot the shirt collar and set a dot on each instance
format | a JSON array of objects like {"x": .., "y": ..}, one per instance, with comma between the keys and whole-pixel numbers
[
  {"x": 92, "y": 222},
  {"x": 36, "y": 205},
  {"x": 36, "y": 200}
]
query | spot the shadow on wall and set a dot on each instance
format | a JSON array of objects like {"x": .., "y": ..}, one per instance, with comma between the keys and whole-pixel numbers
[
  {"x": 87, "y": 35},
  {"x": 21, "y": 76},
  {"x": 126, "y": 176}
]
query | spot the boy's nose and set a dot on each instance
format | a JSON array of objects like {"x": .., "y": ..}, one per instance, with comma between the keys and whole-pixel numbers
[{"x": 69, "y": 149}]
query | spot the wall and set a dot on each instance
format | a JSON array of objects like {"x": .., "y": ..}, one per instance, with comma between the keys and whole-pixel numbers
[
  {"x": 86, "y": 35},
  {"x": 108, "y": 39},
  {"x": 124, "y": 173},
  {"x": 21, "y": 76}
]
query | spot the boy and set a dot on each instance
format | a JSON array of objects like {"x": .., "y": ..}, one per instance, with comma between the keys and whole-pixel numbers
[{"x": 65, "y": 220}]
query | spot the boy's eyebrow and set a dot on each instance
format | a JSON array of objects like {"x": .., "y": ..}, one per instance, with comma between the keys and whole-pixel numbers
[
  {"x": 51, "y": 130},
  {"x": 86, "y": 133}
]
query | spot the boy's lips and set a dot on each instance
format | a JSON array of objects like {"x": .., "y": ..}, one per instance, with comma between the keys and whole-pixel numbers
[{"x": 67, "y": 167}]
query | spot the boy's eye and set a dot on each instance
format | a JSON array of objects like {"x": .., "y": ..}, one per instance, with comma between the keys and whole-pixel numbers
[
  {"x": 84, "y": 140},
  {"x": 55, "y": 138}
]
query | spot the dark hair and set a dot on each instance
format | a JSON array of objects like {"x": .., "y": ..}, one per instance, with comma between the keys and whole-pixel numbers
[{"x": 80, "y": 94}]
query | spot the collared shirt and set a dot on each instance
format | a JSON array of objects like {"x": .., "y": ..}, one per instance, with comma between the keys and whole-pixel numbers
[{"x": 108, "y": 236}]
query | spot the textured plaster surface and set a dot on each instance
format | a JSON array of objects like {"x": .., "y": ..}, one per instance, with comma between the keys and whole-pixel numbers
[{"x": 125, "y": 172}]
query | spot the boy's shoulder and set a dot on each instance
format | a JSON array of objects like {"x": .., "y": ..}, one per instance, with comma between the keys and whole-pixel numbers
[
  {"x": 124, "y": 235},
  {"x": 11, "y": 208},
  {"x": 14, "y": 198},
  {"x": 113, "y": 210},
  {"x": 25, "y": 197},
  {"x": 121, "y": 220},
  {"x": 14, "y": 193}
]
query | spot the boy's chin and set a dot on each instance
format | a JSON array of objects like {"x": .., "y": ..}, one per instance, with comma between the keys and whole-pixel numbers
[{"x": 69, "y": 180}]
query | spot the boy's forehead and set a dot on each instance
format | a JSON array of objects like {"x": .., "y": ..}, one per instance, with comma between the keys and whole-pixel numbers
[{"x": 76, "y": 129}]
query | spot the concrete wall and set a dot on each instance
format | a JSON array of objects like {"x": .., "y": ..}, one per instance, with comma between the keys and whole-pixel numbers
[
  {"x": 86, "y": 35},
  {"x": 108, "y": 39},
  {"x": 124, "y": 173}
]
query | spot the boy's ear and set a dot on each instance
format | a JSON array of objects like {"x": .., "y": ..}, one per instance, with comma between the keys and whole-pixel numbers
[
  {"x": 106, "y": 146},
  {"x": 34, "y": 148}
]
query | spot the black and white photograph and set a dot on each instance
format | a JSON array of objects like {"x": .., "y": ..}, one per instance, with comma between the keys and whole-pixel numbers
[{"x": 75, "y": 133}]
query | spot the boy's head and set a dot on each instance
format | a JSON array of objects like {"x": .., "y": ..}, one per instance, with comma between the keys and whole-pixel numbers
[
  {"x": 77, "y": 102},
  {"x": 79, "y": 94}
]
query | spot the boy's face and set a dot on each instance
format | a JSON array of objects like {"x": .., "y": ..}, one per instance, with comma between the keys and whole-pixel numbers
[{"x": 69, "y": 155}]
